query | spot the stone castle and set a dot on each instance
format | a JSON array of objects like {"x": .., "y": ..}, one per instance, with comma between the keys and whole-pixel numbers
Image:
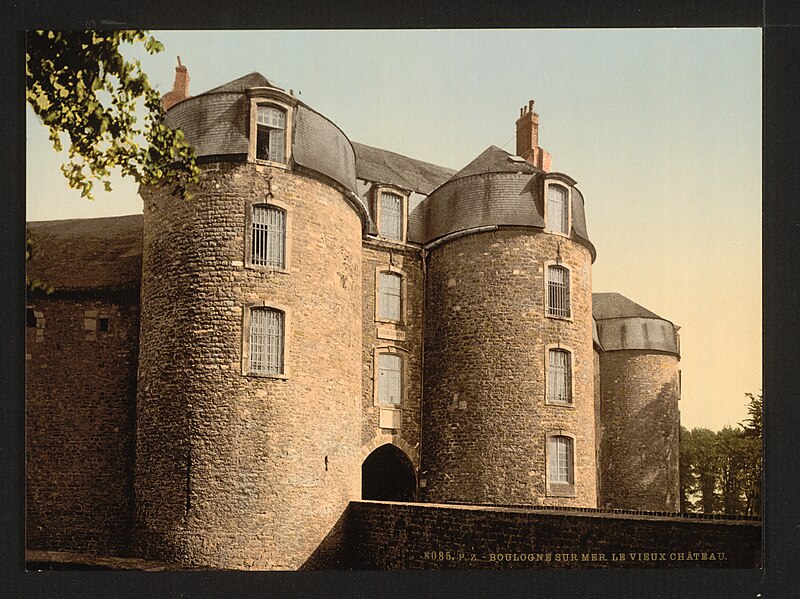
[{"x": 214, "y": 381}]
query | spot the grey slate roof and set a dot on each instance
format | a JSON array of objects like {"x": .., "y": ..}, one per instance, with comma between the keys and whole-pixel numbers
[
  {"x": 616, "y": 305},
  {"x": 88, "y": 253},
  {"x": 495, "y": 160},
  {"x": 241, "y": 84},
  {"x": 382, "y": 166}
]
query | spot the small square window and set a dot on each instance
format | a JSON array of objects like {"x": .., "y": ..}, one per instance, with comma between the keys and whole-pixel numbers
[
  {"x": 30, "y": 318},
  {"x": 102, "y": 325}
]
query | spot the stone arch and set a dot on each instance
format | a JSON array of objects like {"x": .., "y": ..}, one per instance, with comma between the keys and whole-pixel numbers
[
  {"x": 411, "y": 453},
  {"x": 387, "y": 474}
]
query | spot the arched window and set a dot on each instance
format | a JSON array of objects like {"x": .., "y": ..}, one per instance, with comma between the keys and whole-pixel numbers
[
  {"x": 271, "y": 135},
  {"x": 557, "y": 209},
  {"x": 561, "y": 467},
  {"x": 389, "y": 381},
  {"x": 559, "y": 377},
  {"x": 558, "y": 291},
  {"x": 269, "y": 236},
  {"x": 266, "y": 340},
  {"x": 390, "y": 296}
]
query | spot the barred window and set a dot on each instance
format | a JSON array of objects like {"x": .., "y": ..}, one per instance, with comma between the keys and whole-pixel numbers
[
  {"x": 269, "y": 236},
  {"x": 391, "y": 216},
  {"x": 266, "y": 340},
  {"x": 390, "y": 379},
  {"x": 558, "y": 291},
  {"x": 557, "y": 209},
  {"x": 390, "y": 296},
  {"x": 561, "y": 460},
  {"x": 271, "y": 136},
  {"x": 559, "y": 377}
]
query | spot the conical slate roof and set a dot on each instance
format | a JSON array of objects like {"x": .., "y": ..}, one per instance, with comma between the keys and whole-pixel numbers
[
  {"x": 616, "y": 305},
  {"x": 496, "y": 160},
  {"x": 241, "y": 84}
]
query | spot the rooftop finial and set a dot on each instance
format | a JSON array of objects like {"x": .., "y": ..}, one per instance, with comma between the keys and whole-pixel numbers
[{"x": 179, "y": 62}]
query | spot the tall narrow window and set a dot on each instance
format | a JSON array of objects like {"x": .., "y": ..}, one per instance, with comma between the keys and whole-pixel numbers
[
  {"x": 390, "y": 379},
  {"x": 391, "y": 216},
  {"x": 271, "y": 140},
  {"x": 390, "y": 296},
  {"x": 559, "y": 377},
  {"x": 558, "y": 291},
  {"x": 269, "y": 236},
  {"x": 557, "y": 209},
  {"x": 561, "y": 462},
  {"x": 266, "y": 341}
]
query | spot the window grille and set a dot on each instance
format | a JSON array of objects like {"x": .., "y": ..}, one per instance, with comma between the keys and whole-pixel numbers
[
  {"x": 266, "y": 341},
  {"x": 561, "y": 469},
  {"x": 558, "y": 291},
  {"x": 557, "y": 209},
  {"x": 390, "y": 379},
  {"x": 271, "y": 139},
  {"x": 389, "y": 296},
  {"x": 559, "y": 377},
  {"x": 269, "y": 236},
  {"x": 391, "y": 216}
]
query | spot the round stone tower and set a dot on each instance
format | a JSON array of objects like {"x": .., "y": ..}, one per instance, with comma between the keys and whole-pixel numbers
[
  {"x": 247, "y": 446},
  {"x": 509, "y": 408},
  {"x": 640, "y": 389}
]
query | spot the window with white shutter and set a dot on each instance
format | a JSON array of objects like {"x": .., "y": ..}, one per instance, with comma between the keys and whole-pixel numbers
[
  {"x": 271, "y": 136},
  {"x": 559, "y": 377},
  {"x": 390, "y": 379},
  {"x": 390, "y": 301},
  {"x": 391, "y": 216},
  {"x": 561, "y": 460},
  {"x": 557, "y": 210}
]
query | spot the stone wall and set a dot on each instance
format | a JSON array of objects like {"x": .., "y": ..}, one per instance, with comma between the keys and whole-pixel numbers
[
  {"x": 485, "y": 416},
  {"x": 405, "y": 336},
  {"x": 401, "y": 536},
  {"x": 237, "y": 470},
  {"x": 640, "y": 438},
  {"x": 79, "y": 421}
]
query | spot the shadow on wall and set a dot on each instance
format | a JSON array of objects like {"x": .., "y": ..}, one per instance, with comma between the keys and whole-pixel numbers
[
  {"x": 647, "y": 481},
  {"x": 334, "y": 552}
]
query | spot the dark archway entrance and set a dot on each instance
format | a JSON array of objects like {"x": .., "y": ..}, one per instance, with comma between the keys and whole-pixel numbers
[{"x": 388, "y": 475}]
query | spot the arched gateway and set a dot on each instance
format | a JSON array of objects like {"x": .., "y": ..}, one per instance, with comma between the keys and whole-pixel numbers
[{"x": 388, "y": 475}]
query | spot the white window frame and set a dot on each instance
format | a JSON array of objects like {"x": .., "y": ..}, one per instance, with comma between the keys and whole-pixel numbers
[
  {"x": 247, "y": 313},
  {"x": 268, "y": 240},
  {"x": 379, "y": 191},
  {"x": 397, "y": 272},
  {"x": 403, "y": 355},
  {"x": 570, "y": 376},
  {"x": 547, "y": 307},
  {"x": 278, "y": 102},
  {"x": 567, "y": 207},
  {"x": 287, "y": 237},
  {"x": 555, "y": 488}
]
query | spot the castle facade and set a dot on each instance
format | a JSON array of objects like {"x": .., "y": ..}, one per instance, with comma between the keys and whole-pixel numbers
[{"x": 213, "y": 382}]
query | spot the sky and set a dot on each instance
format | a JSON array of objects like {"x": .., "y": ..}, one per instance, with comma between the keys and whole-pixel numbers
[{"x": 661, "y": 128}]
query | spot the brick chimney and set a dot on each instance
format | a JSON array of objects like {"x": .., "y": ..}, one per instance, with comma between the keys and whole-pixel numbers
[
  {"x": 180, "y": 89},
  {"x": 528, "y": 138}
]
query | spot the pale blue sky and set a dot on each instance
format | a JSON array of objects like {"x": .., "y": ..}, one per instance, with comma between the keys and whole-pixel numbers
[{"x": 660, "y": 127}]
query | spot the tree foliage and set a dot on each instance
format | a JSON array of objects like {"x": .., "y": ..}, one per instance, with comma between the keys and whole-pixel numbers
[
  {"x": 81, "y": 86},
  {"x": 720, "y": 472}
]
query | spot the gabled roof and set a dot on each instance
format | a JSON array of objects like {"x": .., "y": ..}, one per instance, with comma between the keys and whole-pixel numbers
[
  {"x": 382, "y": 166},
  {"x": 241, "y": 84},
  {"x": 615, "y": 305},
  {"x": 87, "y": 253},
  {"x": 496, "y": 160}
]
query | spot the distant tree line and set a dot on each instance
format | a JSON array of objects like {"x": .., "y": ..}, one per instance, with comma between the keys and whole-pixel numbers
[{"x": 720, "y": 472}]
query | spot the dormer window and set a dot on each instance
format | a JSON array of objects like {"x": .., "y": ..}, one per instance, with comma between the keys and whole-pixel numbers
[
  {"x": 271, "y": 134},
  {"x": 391, "y": 215},
  {"x": 557, "y": 217}
]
